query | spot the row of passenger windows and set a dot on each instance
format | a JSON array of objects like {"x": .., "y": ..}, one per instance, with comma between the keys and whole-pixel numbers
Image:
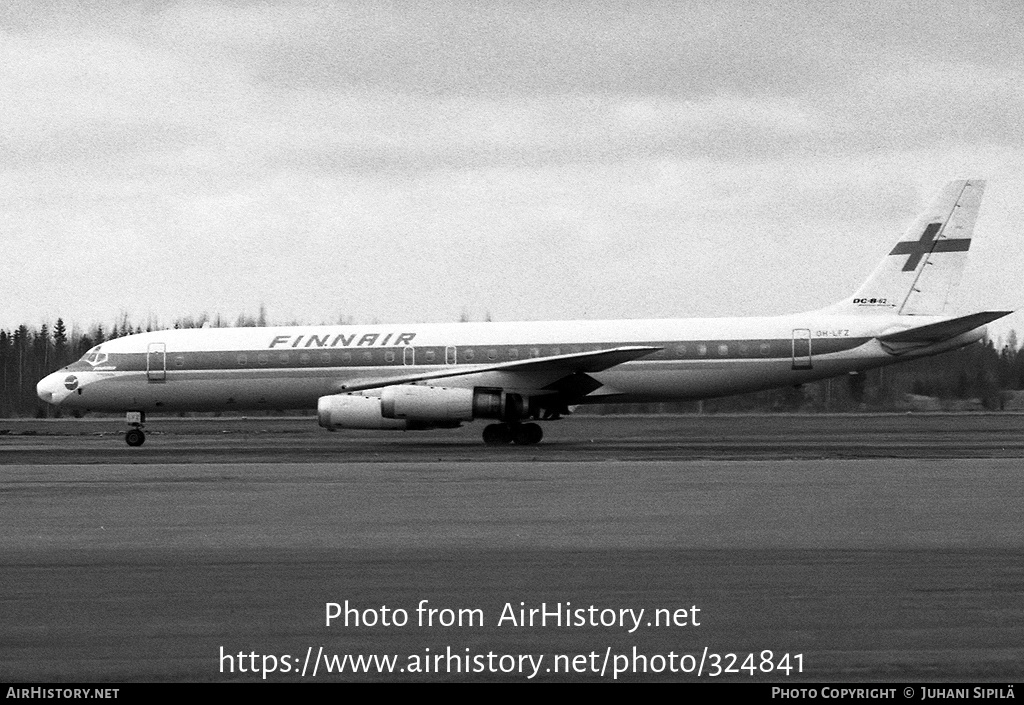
[
  {"x": 723, "y": 349},
  {"x": 409, "y": 356}
]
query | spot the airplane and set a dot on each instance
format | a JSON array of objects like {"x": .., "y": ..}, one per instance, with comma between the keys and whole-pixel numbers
[{"x": 426, "y": 376}]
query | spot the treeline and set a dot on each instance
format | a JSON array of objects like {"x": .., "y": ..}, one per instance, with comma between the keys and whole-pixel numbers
[
  {"x": 27, "y": 355},
  {"x": 978, "y": 376}
]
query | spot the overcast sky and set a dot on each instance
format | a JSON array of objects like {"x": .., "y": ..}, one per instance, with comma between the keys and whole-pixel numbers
[{"x": 411, "y": 161}]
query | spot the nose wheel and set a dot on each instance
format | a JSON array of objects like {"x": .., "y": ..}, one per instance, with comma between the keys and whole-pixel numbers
[{"x": 134, "y": 436}]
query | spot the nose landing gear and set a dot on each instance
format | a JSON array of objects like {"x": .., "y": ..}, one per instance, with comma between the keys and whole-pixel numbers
[{"x": 135, "y": 436}]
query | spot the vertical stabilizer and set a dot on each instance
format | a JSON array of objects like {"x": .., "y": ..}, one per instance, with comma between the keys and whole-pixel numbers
[{"x": 920, "y": 275}]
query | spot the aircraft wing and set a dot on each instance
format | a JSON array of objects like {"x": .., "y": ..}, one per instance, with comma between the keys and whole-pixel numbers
[{"x": 558, "y": 365}]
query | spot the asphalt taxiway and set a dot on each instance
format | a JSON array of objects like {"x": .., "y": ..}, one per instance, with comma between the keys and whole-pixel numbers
[{"x": 875, "y": 547}]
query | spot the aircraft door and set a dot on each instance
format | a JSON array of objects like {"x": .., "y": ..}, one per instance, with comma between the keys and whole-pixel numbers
[
  {"x": 409, "y": 355},
  {"x": 801, "y": 349},
  {"x": 450, "y": 355},
  {"x": 156, "y": 362}
]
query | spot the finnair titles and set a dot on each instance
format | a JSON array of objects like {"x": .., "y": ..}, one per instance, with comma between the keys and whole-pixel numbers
[{"x": 327, "y": 340}]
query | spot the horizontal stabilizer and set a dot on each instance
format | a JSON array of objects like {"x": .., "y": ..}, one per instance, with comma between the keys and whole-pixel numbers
[
  {"x": 943, "y": 330},
  {"x": 567, "y": 364}
]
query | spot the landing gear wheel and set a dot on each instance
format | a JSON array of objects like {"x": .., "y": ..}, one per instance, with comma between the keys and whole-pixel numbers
[
  {"x": 135, "y": 437},
  {"x": 527, "y": 434},
  {"x": 497, "y": 434},
  {"x": 500, "y": 434}
]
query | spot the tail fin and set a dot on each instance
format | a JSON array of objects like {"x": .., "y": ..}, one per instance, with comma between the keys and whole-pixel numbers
[{"x": 920, "y": 275}]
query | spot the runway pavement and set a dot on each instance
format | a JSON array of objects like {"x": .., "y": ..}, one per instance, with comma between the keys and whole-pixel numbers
[
  {"x": 577, "y": 438},
  {"x": 787, "y": 534}
]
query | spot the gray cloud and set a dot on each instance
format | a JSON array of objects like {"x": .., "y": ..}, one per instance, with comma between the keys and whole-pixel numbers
[
  {"x": 370, "y": 86},
  {"x": 683, "y": 50},
  {"x": 185, "y": 139}
]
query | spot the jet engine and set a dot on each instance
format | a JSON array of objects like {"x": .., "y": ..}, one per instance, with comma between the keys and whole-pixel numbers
[
  {"x": 354, "y": 411},
  {"x": 409, "y": 407}
]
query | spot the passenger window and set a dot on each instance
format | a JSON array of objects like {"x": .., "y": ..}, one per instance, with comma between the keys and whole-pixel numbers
[
  {"x": 367, "y": 356},
  {"x": 765, "y": 348},
  {"x": 492, "y": 354},
  {"x": 346, "y": 357},
  {"x": 468, "y": 354},
  {"x": 702, "y": 349},
  {"x": 305, "y": 358},
  {"x": 283, "y": 358},
  {"x": 179, "y": 361},
  {"x": 263, "y": 358},
  {"x": 242, "y": 360},
  {"x": 429, "y": 355},
  {"x": 513, "y": 353},
  {"x": 534, "y": 352},
  {"x": 723, "y": 350},
  {"x": 389, "y": 356},
  {"x": 325, "y": 358}
]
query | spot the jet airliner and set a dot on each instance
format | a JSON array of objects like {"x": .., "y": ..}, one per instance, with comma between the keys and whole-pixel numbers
[{"x": 423, "y": 376}]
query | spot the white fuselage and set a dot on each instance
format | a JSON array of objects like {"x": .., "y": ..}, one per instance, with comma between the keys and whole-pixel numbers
[{"x": 292, "y": 367}]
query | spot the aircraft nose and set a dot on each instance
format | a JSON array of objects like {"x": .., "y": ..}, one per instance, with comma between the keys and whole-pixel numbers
[{"x": 46, "y": 387}]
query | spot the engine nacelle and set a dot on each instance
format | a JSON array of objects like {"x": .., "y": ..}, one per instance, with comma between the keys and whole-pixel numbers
[
  {"x": 498, "y": 404},
  {"x": 354, "y": 411},
  {"x": 407, "y": 407},
  {"x": 406, "y": 401},
  {"x": 421, "y": 403}
]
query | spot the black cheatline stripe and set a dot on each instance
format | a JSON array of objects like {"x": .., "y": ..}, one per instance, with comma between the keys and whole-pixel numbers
[{"x": 313, "y": 358}]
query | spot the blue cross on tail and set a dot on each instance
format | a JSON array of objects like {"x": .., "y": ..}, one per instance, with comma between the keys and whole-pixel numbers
[{"x": 927, "y": 244}]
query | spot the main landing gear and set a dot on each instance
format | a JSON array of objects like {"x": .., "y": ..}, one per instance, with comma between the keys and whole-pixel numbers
[
  {"x": 134, "y": 436},
  {"x": 522, "y": 434}
]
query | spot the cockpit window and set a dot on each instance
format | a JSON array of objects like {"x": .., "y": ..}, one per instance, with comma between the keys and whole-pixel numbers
[{"x": 95, "y": 357}]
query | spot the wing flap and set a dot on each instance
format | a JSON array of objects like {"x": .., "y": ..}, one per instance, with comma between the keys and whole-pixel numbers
[{"x": 565, "y": 364}]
